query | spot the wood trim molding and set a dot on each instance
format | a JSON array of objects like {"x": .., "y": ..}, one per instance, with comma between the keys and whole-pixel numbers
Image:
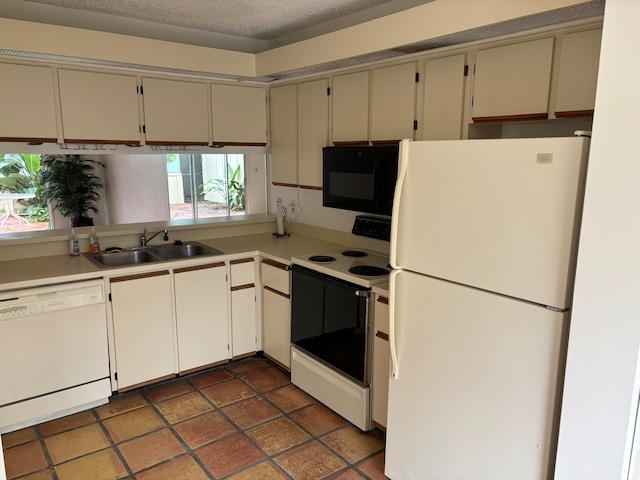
[
  {"x": 241, "y": 260},
  {"x": 281, "y": 184},
  {"x": 382, "y": 335},
  {"x": 138, "y": 276},
  {"x": 310, "y": 187},
  {"x": 144, "y": 384},
  {"x": 244, "y": 355},
  {"x": 199, "y": 267},
  {"x": 30, "y": 140},
  {"x": 379, "y": 426},
  {"x": 351, "y": 143},
  {"x": 384, "y": 300},
  {"x": 575, "y": 114},
  {"x": 277, "y": 362},
  {"x": 176, "y": 144},
  {"x": 239, "y": 144},
  {"x": 273, "y": 263},
  {"x": 204, "y": 367},
  {"x": 277, "y": 292},
  {"x": 102, "y": 142},
  {"x": 385, "y": 142},
  {"x": 242, "y": 287},
  {"x": 511, "y": 118}
]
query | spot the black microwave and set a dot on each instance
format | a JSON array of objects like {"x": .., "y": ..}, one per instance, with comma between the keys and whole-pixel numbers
[{"x": 361, "y": 179}]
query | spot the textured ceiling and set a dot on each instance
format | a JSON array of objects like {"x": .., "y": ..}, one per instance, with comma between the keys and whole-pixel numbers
[{"x": 263, "y": 20}]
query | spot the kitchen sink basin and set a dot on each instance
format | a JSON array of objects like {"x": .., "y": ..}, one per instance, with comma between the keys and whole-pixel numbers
[
  {"x": 161, "y": 253},
  {"x": 123, "y": 258},
  {"x": 186, "y": 250}
]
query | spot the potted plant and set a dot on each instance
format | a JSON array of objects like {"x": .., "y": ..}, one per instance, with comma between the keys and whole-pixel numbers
[{"x": 71, "y": 186}]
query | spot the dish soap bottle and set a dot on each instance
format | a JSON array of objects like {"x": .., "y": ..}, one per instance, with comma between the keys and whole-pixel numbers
[
  {"x": 94, "y": 245},
  {"x": 74, "y": 246}
]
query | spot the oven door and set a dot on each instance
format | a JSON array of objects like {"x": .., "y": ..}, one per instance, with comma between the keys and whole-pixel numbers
[{"x": 329, "y": 321}]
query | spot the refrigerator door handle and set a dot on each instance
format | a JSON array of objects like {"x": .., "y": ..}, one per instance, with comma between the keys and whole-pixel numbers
[
  {"x": 392, "y": 324},
  {"x": 402, "y": 171}
]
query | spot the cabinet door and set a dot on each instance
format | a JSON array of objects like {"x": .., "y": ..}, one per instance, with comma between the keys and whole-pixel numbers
[
  {"x": 143, "y": 328},
  {"x": 444, "y": 82},
  {"x": 25, "y": 90},
  {"x": 393, "y": 103},
  {"x": 99, "y": 107},
  {"x": 284, "y": 147},
  {"x": 243, "y": 307},
  {"x": 351, "y": 108},
  {"x": 277, "y": 326},
  {"x": 243, "y": 320},
  {"x": 578, "y": 74},
  {"x": 313, "y": 131},
  {"x": 201, "y": 314},
  {"x": 175, "y": 112},
  {"x": 381, "y": 360},
  {"x": 239, "y": 115},
  {"x": 512, "y": 82}
]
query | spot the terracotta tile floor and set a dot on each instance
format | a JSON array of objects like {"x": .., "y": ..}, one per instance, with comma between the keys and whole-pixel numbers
[{"x": 241, "y": 421}]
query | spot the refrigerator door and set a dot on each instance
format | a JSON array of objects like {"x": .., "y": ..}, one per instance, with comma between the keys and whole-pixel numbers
[
  {"x": 475, "y": 393},
  {"x": 502, "y": 215}
]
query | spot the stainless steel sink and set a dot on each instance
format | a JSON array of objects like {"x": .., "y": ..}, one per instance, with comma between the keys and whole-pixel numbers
[
  {"x": 160, "y": 253},
  {"x": 122, "y": 258},
  {"x": 186, "y": 250}
]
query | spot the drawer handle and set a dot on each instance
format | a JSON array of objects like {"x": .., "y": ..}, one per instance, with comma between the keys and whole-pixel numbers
[{"x": 382, "y": 335}]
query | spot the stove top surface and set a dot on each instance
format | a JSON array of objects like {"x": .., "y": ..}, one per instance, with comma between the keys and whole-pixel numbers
[{"x": 355, "y": 266}]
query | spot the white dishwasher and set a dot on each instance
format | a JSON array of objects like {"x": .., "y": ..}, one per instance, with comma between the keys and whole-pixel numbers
[{"x": 54, "y": 357}]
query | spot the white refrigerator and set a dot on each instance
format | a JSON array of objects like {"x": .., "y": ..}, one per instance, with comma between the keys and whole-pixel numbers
[{"x": 483, "y": 249}]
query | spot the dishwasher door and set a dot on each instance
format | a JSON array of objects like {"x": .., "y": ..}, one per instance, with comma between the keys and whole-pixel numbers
[{"x": 53, "y": 350}]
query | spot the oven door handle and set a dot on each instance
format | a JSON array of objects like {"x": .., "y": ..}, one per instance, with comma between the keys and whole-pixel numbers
[{"x": 363, "y": 293}]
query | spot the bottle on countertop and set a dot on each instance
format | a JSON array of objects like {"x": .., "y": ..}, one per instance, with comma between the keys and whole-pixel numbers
[
  {"x": 74, "y": 246},
  {"x": 94, "y": 244}
]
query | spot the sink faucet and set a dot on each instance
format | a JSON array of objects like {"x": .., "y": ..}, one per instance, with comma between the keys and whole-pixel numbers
[{"x": 144, "y": 240}]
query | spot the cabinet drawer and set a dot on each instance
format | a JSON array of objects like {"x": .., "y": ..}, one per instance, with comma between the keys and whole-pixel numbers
[
  {"x": 242, "y": 272},
  {"x": 275, "y": 275}
]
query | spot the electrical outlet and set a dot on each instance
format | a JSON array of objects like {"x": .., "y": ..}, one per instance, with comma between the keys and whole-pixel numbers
[{"x": 293, "y": 207}]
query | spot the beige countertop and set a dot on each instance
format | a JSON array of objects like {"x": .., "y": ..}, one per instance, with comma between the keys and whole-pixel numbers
[
  {"x": 381, "y": 289},
  {"x": 30, "y": 272}
]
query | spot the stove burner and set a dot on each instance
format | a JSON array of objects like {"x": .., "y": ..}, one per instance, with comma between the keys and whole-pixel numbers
[
  {"x": 368, "y": 270},
  {"x": 322, "y": 258},
  {"x": 354, "y": 253}
]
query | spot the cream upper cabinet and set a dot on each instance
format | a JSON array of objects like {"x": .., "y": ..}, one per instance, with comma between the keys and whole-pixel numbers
[
  {"x": 239, "y": 115},
  {"x": 578, "y": 73},
  {"x": 99, "y": 107},
  {"x": 512, "y": 82},
  {"x": 284, "y": 147},
  {"x": 175, "y": 112},
  {"x": 393, "y": 102},
  {"x": 444, "y": 83},
  {"x": 27, "y": 89},
  {"x": 350, "y": 101},
  {"x": 313, "y": 131}
]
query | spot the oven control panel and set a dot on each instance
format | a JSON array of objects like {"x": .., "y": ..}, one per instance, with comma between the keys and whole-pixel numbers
[{"x": 373, "y": 227}]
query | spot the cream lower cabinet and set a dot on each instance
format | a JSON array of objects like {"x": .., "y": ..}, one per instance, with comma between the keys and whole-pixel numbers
[
  {"x": 243, "y": 308},
  {"x": 381, "y": 360},
  {"x": 276, "y": 312},
  {"x": 143, "y": 328},
  {"x": 201, "y": 316}
]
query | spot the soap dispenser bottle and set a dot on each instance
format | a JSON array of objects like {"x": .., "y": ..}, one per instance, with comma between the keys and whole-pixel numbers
[{"x": 74, "y": 246}]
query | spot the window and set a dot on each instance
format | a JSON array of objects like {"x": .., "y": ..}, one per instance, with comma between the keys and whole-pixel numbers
[{"x": 203, "y": 186}]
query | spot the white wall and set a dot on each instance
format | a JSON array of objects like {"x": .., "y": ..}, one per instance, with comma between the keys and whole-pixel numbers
[{"x": 601, "y": 385}]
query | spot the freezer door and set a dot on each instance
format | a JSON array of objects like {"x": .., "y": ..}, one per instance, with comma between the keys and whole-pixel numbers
[
  {"x": 502, "y": 215},
  {"x": 475, "y": 393}
]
